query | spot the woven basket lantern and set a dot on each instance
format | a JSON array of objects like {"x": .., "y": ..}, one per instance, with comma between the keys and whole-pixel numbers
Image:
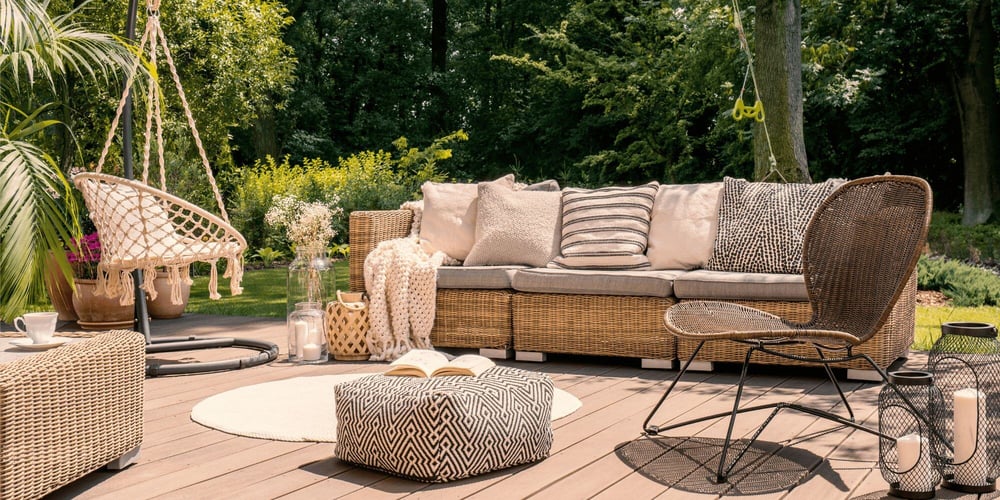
[{"x": 347, "y": 326}]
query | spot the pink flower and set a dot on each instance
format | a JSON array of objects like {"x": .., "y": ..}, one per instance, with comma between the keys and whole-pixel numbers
[{"x": 84, "y": 254}]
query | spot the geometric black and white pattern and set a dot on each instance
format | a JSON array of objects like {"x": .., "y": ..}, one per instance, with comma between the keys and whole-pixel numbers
[
  {"x": 762, "y": 224},
  {"x": 445, "y": 428}
]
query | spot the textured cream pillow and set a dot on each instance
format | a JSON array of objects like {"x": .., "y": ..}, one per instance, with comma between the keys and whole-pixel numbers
[
  {"x": 516, "y": 227},
  {"x": 685, "y": 220},
  {"x": 449, "y": 220}
]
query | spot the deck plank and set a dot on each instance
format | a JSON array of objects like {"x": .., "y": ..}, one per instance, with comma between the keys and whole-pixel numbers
[{"x": 181, "y": 459}]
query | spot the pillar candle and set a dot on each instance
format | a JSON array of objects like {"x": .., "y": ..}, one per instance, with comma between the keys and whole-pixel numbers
[
  {"x": 914, "y": 465},
  {"x": 971, "y": 460},
  {"x": 301, "y": 332},
  {"x": 311, "y": 352}
]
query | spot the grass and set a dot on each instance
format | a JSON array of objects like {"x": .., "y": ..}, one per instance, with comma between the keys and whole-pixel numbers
[
  {"x": 263, "y": 293},
  {"x": 929, "y": 320}
]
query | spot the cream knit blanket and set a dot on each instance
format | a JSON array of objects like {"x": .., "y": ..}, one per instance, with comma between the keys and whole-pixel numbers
[{"x": 401, "y": 280}]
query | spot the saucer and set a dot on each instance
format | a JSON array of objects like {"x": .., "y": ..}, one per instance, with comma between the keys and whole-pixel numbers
[{"x": 31, "y": 346}]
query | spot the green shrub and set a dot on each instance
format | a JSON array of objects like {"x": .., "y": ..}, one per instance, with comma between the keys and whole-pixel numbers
[
  {"x": 947, "y": 236},
  {"x": 369, "y": 180},
  {"x": 966, "y": 285}
]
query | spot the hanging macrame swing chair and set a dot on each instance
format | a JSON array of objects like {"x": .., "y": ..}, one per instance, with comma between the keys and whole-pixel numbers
[{"x": 146, "y": 229}]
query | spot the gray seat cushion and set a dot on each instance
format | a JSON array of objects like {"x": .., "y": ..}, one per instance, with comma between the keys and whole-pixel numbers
[
  {"x": 592, "y": 282},
  {"x": 726, "y": 285},
  {"x": 481, "y": 277}
]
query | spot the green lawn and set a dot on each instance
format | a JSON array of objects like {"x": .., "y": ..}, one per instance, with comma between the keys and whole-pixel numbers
[
  {"x": 929, "y": 320},
  {"x": 263, "y": 293}
]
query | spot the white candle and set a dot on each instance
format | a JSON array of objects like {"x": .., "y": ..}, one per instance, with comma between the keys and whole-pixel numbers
[
  {"x": 301, "y": 332},
  {"x": 914, "y": 464},
  {"x": 971, "y": 461},
  {"x": 311, "y": 352}
]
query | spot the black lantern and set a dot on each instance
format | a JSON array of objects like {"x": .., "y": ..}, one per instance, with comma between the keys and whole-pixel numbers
[
  {"x": 965, "y": 362},
  {"x": 905, "y": 446}
]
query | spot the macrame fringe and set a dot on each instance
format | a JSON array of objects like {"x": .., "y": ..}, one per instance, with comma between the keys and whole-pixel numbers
[
  {"x": 234, "y": 271},
  {"x": 213, "y": 282}
]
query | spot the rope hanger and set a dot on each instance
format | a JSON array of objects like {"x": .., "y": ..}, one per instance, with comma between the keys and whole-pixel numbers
[
  {"x": 755, "y": 112},
  {"x": 153, "y": 36}
]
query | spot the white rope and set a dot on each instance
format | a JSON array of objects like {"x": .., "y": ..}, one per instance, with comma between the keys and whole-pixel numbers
[
  {"x": 153, "y": 33},
  {"x": 121, "y": 104},
  {"x": 738, "y": 22},
  {"x": 190, "y": 119}
]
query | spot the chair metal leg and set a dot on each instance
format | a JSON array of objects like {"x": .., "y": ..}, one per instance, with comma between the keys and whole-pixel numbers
[
  {"x": 725, "y": 466},
  {"x": 653, "y": 430},
  {"x": 836, "y": 384},
  {"x": 723, "y": 470}
]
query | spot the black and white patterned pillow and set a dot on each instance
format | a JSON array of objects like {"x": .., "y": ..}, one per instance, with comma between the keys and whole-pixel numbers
[
  {"x": 606, "y": 228},
  {"x": 761, "y": 225}
]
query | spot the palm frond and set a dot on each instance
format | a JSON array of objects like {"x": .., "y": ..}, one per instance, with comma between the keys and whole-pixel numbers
[
  {"x": 36, "y": 47},
  {"x": 34, "y": 198}
]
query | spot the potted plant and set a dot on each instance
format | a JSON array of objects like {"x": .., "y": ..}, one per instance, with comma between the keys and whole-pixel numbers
[
  {"x": 162, "y": 307},
  {"x": 94, "y": 312},
  {"x": 38, "y": 210}
]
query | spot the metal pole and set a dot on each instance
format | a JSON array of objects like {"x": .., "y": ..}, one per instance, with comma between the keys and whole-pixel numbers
[{"x": 141, "y": 323}]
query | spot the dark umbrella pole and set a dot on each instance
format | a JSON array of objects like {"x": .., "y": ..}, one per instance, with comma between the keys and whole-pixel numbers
[{"x": 141, "y": 323}]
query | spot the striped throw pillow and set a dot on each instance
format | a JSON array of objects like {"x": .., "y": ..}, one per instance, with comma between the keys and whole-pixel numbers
[{"x": 605, "y": 228}]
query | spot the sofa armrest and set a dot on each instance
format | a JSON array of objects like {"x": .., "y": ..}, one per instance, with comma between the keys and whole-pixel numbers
[{"x": 368, "y": 229}]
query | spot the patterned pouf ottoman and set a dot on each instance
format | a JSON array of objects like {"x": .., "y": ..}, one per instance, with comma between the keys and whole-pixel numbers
[{"x": 445, "y": 428}]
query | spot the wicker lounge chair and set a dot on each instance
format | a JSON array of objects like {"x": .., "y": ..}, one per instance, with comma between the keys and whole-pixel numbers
[{"x": 859, "y": 250}]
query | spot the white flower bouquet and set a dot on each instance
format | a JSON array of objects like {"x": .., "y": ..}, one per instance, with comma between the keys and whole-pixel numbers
[{"x": 307, "y": 223}]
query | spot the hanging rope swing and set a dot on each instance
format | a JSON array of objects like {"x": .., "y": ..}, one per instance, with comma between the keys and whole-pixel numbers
[
  {"x": 145, "y": 228},
  {"x": 756, "y": 111}
]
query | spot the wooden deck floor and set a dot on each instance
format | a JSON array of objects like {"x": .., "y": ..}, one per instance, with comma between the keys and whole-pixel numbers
[{"x": 598, "y": 451}]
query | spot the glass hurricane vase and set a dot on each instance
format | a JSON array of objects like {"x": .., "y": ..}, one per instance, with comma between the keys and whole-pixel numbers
[{"x": 311, "y": 281}]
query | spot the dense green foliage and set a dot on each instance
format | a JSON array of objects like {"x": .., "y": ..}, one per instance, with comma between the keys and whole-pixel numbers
[
  {"x": 964, "y": 284},
  {"x": 39, "y": 54},
  {"x": 621, "y": 91},
  {"x": 979, "y": 244},
  {"x": 233, "y": 65},
  {"x": 365, "y": 180}
]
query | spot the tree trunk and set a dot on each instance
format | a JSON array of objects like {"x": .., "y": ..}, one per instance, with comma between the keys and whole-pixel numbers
[
  {"x": 439, "y": 63},
  {"x": 439, "y": 35},
  {"x": 975, "y": 91},
  {"x": 777, "y": 35},
  {"x": 265, "y": 142}
]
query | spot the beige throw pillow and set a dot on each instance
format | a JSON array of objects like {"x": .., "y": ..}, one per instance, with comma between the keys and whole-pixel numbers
[
  {"x": 515, "y": 227},
  {"x": 449, "y": 219},
  {"x": 685, "y": 220},
  {"x": 605, "y": 228}
]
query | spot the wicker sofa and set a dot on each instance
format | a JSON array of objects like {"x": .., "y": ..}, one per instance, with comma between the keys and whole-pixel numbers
[
  {"x": 538, "y": 311},
  {"x": 67, "y": 412}
]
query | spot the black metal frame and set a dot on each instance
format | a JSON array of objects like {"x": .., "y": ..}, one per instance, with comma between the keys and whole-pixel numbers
[
  {"x": 725, "y": 468},
  {"x": 268, "y": 350}
]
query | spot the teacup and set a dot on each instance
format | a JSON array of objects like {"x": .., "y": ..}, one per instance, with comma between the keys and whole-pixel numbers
[{"x": 38, "y": 326}]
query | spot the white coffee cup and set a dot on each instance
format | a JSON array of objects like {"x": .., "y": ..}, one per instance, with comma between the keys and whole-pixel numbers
[{"x": 38, "y": 326}]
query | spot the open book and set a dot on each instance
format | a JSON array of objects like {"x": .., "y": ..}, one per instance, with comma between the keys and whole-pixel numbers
[{"x": 427, "y": 363}]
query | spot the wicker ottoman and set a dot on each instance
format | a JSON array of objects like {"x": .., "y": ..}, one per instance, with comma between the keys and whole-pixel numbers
[{"x": 445, "y": 428}]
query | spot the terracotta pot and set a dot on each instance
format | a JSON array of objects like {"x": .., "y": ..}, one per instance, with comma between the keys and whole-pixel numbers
[
  {"x": 60, "y": 291},
  {"x": 161, "y": 307},
  {"x": 100, "y": 312}
]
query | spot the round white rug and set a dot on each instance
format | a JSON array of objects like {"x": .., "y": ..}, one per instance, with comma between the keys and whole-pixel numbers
[{"x": 299, "y": 409}]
